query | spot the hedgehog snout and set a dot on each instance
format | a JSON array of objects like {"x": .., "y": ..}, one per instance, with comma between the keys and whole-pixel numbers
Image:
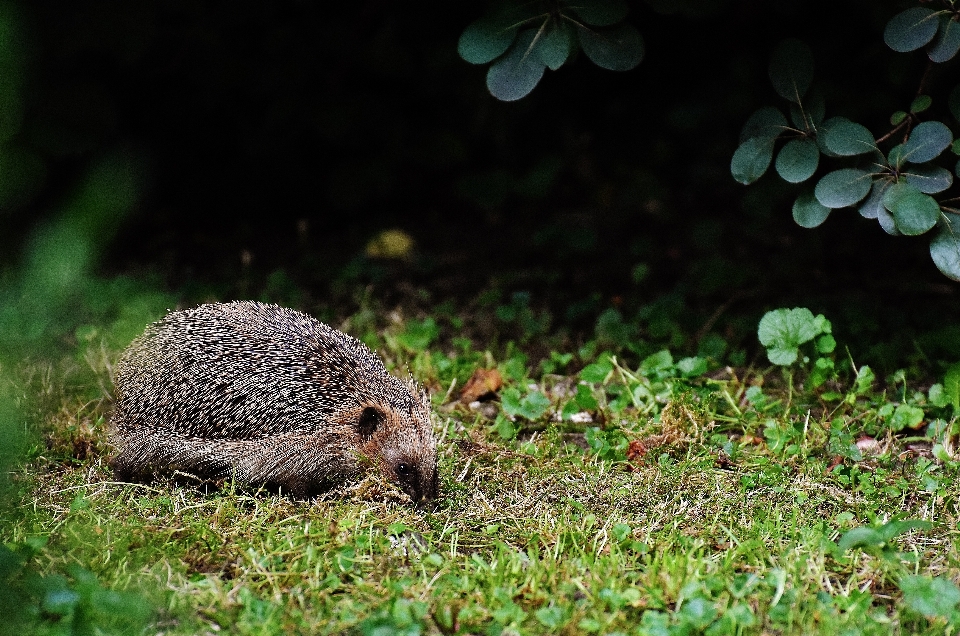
[{"x": 418, "y": 483}]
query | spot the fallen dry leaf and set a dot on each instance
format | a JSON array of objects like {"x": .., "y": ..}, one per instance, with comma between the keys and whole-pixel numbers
[
  {"x": 482, "y": 382},
  {"x": 636, "y": 450}
]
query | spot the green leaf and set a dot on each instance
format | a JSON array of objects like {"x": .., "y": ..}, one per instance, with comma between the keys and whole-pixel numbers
[
  {"x": 553, "y": 48},
  {"x": 929, "y": 179},
  {"x": 510, "y": 401},
  {"x": 659, "y": 361},
  {"x": 937, "y": 596},
  {"x": 864, "y": 381},
  {"x": 927, "y": 141},
  {"x": 807, "y": 211},
  {"x": 766, "y": 123},
  {"x": 551, "y": 617},
  {"x": 887, "y": 222},
  {"x": 692, "y": 367},
  {"x": 920, "y": 104},
  {"x": 596, "y": 372},
  {"x": 534, "y": 405},
  {"x": 791, "y": 69},
  {"x": 782, "y": 331},
  {"x": 897, "y": 117},
  {"x": 485, "y": 40},
  {"x": 873, "y": 204},
  {"x": 419, "y": 334},
  {"x": 906, "y": 416},
  {"x": 951, "y": 386},
  {"x": 914, "y": 211},
  {"x": 751, "y": 160},
  {"x": 846, "y": 138},
  {"x": 844, "y": 187},
  {"x": 911, "y": 29},
  {"x": 897, "y": 156},
  {"x": 808, "y": 115},
  {"x": 515, "y": 74},
  {"x": 945, "y": 247},
  {"x": 947, "y": 42},
  {"x": 897, "y": 527},
  {"x": 938, "y": 397},
  {"x": 797, "y": 160},
  {"x": 599, "y": 13},
  {"x": 826, "y": 344},
  {"x": 619, "y": 48},
  {"x": 860, "y": 537}
]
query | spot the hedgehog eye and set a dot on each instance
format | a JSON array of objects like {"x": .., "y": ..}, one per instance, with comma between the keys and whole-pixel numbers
[
  {"x": 404, "y": 470},
  {"x": 370, "y": 420}
]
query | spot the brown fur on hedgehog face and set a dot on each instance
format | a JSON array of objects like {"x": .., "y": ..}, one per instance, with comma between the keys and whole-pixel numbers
[{"x": 400, "y": 444}]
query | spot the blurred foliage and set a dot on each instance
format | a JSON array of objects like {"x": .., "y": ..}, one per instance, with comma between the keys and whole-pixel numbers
[{"x": 56, "y": 604}]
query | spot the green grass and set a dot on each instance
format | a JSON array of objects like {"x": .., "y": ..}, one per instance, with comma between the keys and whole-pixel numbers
[{"x": 699, "y": 505}]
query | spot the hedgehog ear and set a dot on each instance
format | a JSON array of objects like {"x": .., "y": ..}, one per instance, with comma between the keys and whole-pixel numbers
[{"x": 370, "y": 420}]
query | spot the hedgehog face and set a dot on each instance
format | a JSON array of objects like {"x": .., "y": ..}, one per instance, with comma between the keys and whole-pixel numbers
[{"x": 403, "y": 448}]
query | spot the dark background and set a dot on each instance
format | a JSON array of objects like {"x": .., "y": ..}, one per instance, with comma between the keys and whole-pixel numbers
[{"x": 273, "y": 140}]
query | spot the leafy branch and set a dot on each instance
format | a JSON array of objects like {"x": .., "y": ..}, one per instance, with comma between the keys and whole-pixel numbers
[
  {"x": 521, "y": 40},
  {"x": 894, "y": 187}
]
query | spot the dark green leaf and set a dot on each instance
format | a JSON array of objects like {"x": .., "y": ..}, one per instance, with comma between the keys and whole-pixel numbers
[
  {"x": 927, "y": 141},
  {"x": 873, "y": 204},
  {"x": 846, "y": 138},
  {"x": 599, "y": 12},
  {"x": 618, "y": 49},
  {"x": 897, "y": 117},
  {"x": 765, "y": 123},
  {"x": 553, "y": 47},
  {"x": 887, "y": 222},
  {"x": 931, "y": 597},
  {"x": 841, "y": 188},
  {"x": 791, "y": 69},
  {"x": 945, "y": 247},
  {"x": 797, "y": 160},
  {"x": 807, "y": 211},
  {"x": 751, "y": 160},
  {"x": 897, "y": 156},
  {"x": 911, "y": 29},
  {"x": 947, "y": 42},
  {"x": 808, "y": 115},
  {"x": 517, "y": 73},
  {"x": 485, "y": 40},
  {"x": 920, "y": 104},
  {"x": 929, "y": 179},
  {"x": 914, "y": 211}
]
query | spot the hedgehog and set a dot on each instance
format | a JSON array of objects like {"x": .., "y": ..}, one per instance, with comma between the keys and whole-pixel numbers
[{"x": 270, "y": 397}]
